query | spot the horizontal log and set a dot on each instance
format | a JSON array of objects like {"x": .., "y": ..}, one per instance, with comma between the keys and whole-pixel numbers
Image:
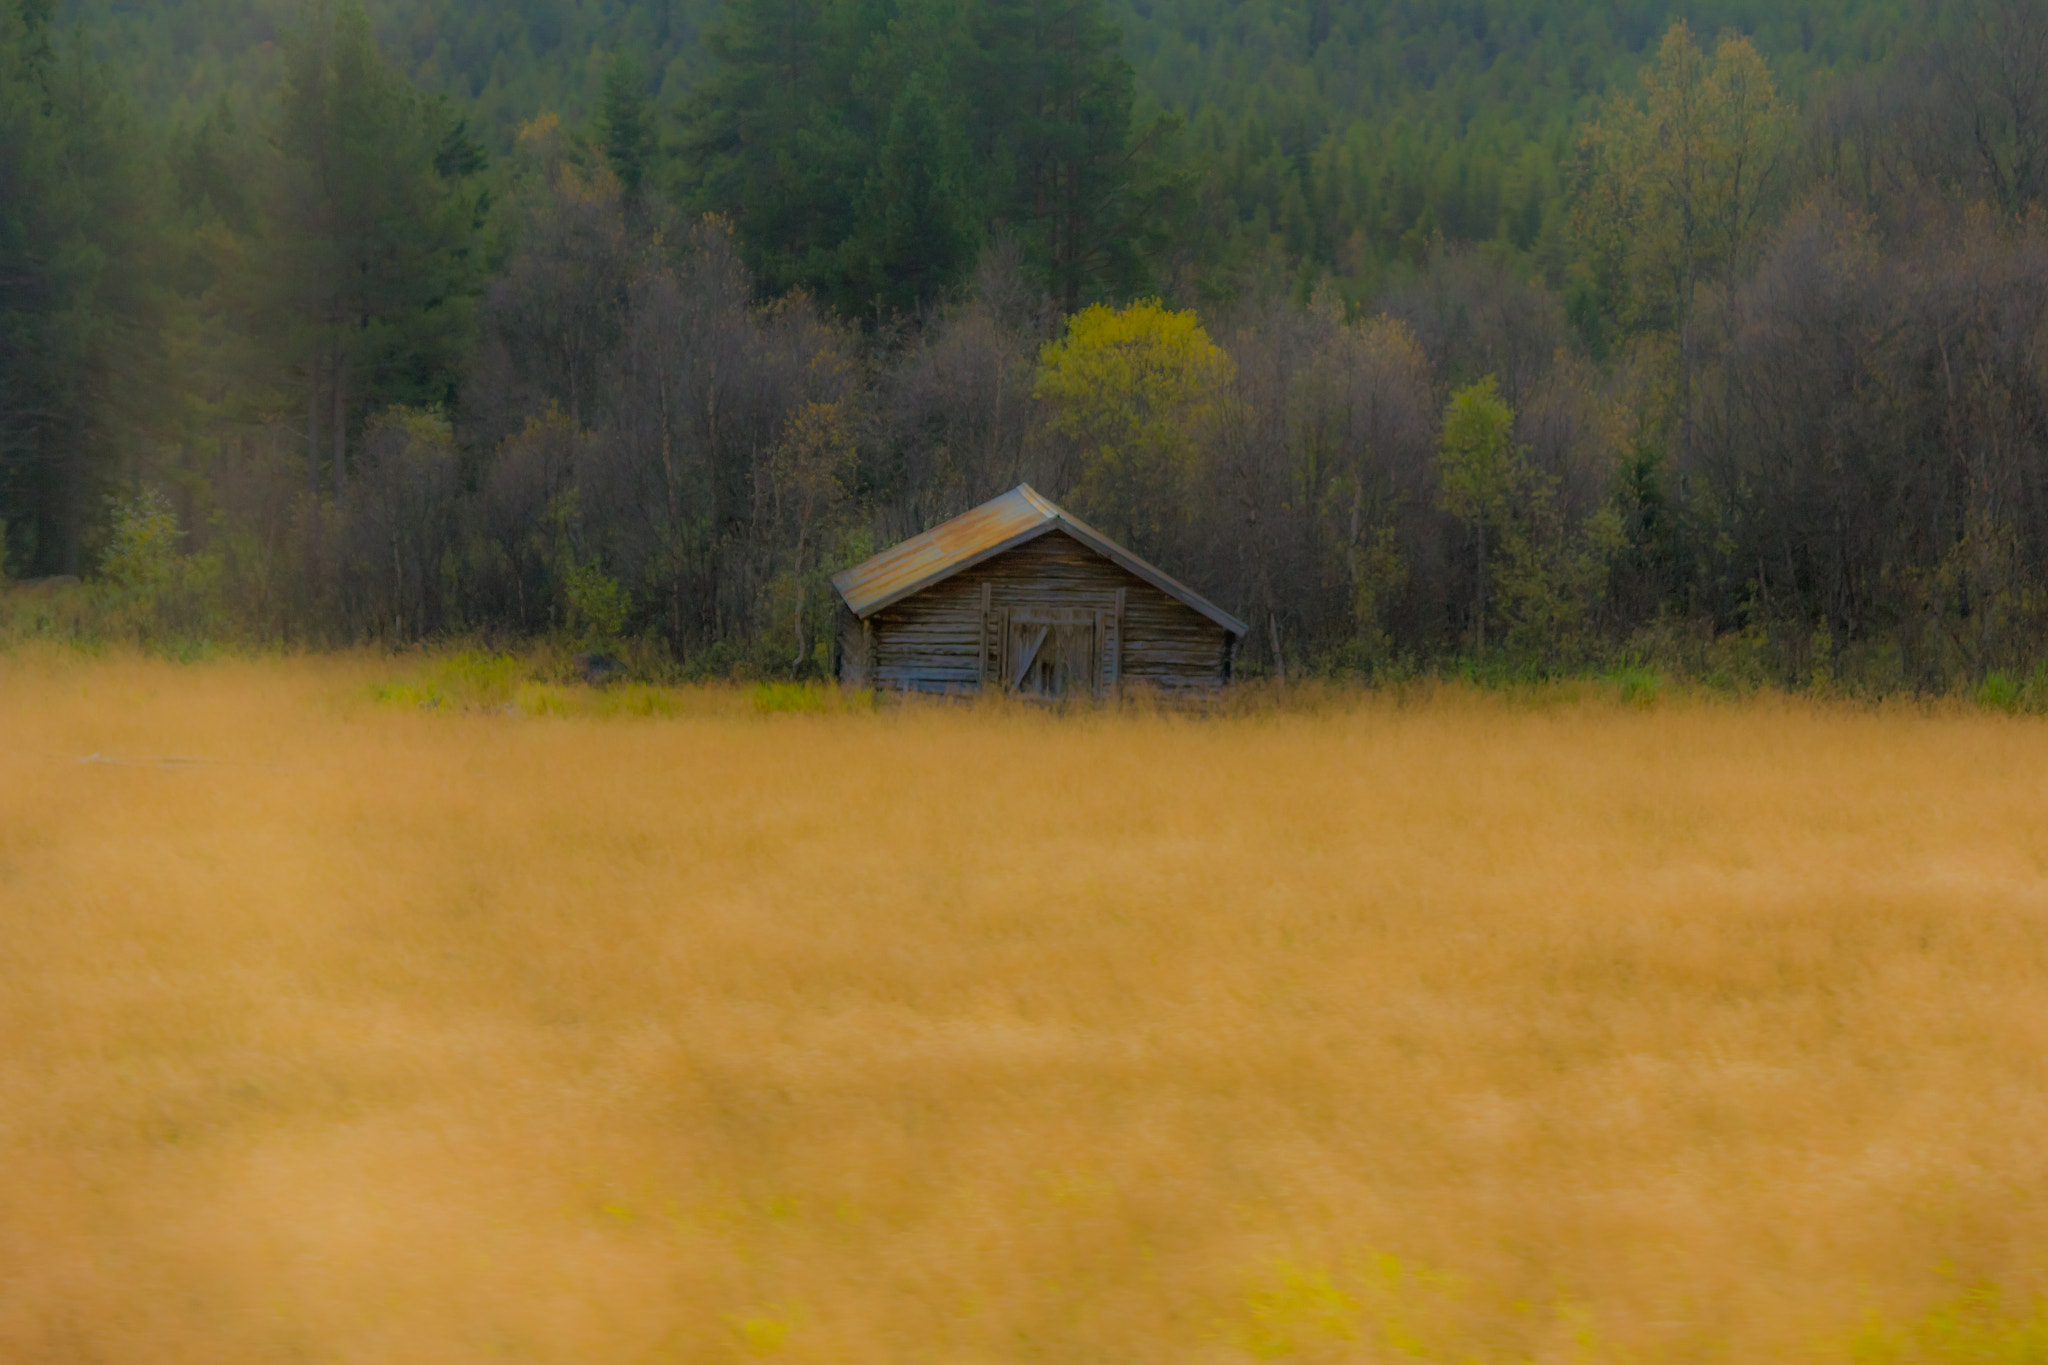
[{"x": 933, "y": 641}]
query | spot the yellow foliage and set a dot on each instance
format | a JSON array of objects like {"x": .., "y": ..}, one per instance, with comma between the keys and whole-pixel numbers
[
  {"x": 1679, "y": 180},
  {"x": 1129, "y": 386},
  {"x": 1691, "y": 1031},
  {"x": 540, "y": 128}
]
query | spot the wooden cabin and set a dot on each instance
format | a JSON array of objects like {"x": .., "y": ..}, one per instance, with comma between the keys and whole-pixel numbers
[{"x": 1019, "y": 595}]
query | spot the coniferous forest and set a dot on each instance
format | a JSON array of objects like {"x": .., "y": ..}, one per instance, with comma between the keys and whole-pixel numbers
[{"x": 1511, "y": 337}]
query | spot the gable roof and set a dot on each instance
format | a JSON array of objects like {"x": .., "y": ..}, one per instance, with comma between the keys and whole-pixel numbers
[{"x": 1000, "y": 524}]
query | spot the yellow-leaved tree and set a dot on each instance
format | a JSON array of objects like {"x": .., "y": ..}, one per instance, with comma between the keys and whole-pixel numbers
[
  {"x": 1674, "y": 184},
  {"x": 1544, "y": 574},
  {"x": 808, "y": 473},
  {"x": 1131, "y": 387}
]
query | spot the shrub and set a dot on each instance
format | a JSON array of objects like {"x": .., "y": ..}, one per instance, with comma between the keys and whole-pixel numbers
[
  {"x": 471, "y": 680},
  {"x": 142, "y": 552},
  {"x": 772, "y": 697},
  {"x": 1635, "y": 684},
  {"x": 598, "y": 604}
]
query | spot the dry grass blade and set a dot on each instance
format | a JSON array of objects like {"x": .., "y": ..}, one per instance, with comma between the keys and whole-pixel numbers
[{"x": 1439, "y": 1028}]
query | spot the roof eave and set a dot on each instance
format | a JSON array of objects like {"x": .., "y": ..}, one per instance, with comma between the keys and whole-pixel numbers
[
  {"x": 911, "y": 589},
  {"x": 1052, "y": 516}
]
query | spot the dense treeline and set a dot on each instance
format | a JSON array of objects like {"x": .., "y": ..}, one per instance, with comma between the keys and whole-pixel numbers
[
  {"x": 1746, "y": 384},
  {"x": 1337, "y": 137}
]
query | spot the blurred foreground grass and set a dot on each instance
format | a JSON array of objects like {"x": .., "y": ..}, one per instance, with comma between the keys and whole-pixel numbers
[{"x": 443, "y": 1009}]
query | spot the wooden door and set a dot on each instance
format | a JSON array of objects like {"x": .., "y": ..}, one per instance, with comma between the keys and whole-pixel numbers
[{"x": 1050, "y": 652}]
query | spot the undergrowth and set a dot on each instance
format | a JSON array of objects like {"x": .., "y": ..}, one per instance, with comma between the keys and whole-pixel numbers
[{"x": 170, "y": 619}]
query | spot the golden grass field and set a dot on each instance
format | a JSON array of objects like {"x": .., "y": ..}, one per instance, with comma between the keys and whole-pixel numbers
[{"x": 1441, "y": 1026}]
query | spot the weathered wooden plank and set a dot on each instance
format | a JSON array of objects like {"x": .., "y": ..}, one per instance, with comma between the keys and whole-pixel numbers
[
  {"x": 853, "y": 648},
  {"x": 956, "y": 635}
]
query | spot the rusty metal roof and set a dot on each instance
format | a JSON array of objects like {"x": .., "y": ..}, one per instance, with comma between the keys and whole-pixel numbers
[{"x": 997, "y": 525}]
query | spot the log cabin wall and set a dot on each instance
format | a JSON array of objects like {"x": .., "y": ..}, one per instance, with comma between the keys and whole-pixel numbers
[
  {"x": 852, "y": 647},
  {"x": 933, "y": 641}
]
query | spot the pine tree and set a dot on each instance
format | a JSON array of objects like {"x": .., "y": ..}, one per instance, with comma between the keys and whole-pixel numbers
[
  {"x": 919, "y": 222},
  {"x": 370, "y": 233},
  {"x": 1087, "y": 192},
  {"x": 766, "y": 144},
  {"x": 1009, "y": 115},
  {"x": 626, "y": 120},
  {"x": 76, "y": 294}
]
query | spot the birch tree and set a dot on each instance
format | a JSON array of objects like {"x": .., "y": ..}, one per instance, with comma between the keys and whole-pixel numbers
[{"x": 1676, "y": 182}]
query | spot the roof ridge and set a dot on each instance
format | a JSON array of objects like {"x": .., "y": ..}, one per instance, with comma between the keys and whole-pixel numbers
[
  {"x": 1002, "y": 523},
  {"x": 1046, "y": 506}
]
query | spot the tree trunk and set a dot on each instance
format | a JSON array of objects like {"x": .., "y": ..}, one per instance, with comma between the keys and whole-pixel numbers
[
  {"x": 340, "y": 428},
  {"x": 796, "y": 665},
  {"x": 74, "y": 508},
  {"x": 1479, "y": 597},
  {"x": 1685, "y": 308},
  {"x": 313, "y": 423}
]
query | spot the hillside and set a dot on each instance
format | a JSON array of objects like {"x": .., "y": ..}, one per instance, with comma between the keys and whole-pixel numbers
[
  {"x": 1331, "y": 130},
  {"x": 1489, "y": 336}
]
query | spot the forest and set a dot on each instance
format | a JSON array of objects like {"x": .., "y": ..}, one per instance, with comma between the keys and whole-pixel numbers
[{"x": 1496, "y": 337}]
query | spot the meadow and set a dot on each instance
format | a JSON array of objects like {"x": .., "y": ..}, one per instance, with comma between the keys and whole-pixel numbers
[{"x": 353, "y": 1011}]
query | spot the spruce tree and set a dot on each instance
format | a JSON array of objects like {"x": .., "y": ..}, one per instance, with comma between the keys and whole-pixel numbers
[
  {"x": 919, "y": 222},
  {"x": 862, "y": 148},
  {"x": 766, "y": 142},
  {"x": 370, "y": 233},
  {"x": 77, "y": 297},
  {"x": 1085, "y": 189},
  {"x": 626, "y": 120}
]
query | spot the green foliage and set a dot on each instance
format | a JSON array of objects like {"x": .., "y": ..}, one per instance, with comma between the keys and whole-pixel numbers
[
  {"x": 775, "y": 139},
  {"x": 477, "y": 676},
  {"x": 626, "y": 121},
  {"x": 808, "y": 475},
  {"x": 2014, "y": 694},
  {"x": 598, "y": 604},
  {"x": 1479, "y": 474},
  {"x": 2000, "y": 692},
  {"x": 919, "y": 225},
  {"x": 310, "y": 255},
  {"x": 148, "y": 592},
  {"x": 480, "y": 681},
  {"x": 142, "y": 549},
  {"x": 1635, "y": 684},
  {"x": 541, "y": 699},
  {"x": 639, "y": 699},
  {"x": 1378, "y": 577},
  {"x": 863, "y": 151},
  {"x": 1343, "y": 138},
  {"x": 1480, "y": 465},
  {"x": 469, "y": 680},
  {"x": 1534, "y": 570},
  {"x": 775, "y": 698},
  {"x": 1551, "y": 575},
  {"x": 78, "y": 295},
  {"x": 1674, "y": 183},
  {"x": 366, "y": 244},
  {"x": 1820, "y": 673}
]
